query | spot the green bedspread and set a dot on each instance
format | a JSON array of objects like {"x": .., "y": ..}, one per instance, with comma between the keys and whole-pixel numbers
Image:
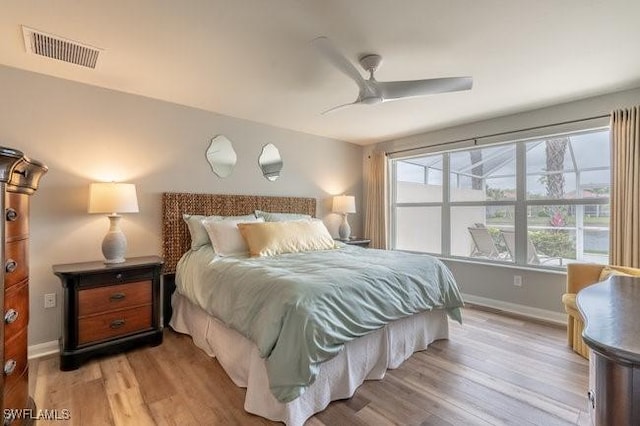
[{"x": 299, "y": 309}]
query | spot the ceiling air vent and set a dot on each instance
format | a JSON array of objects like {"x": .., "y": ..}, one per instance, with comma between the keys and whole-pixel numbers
[{"x": 62, "y": 49}]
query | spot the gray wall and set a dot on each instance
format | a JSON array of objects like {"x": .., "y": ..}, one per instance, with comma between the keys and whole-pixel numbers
[
  {"x": 540, "y": 290},
  {"x": 87, "y": 134}
]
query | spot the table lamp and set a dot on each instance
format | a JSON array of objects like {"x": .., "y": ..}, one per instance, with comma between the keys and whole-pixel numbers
[
  {"x": 344, "y": 204},
  {"x": 113, "y": 198}
]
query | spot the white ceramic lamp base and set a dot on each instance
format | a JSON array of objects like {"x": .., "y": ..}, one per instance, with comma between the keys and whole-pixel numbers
[
  {"x": 114, "y": 245},
  {"x": 344, "y": 231}
]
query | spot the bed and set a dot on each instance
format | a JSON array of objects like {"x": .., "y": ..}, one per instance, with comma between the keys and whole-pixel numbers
[{"x": 328, "y": 369}]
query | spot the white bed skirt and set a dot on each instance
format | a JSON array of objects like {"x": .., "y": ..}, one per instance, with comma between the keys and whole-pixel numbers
[{"x": 365, "y": 358}]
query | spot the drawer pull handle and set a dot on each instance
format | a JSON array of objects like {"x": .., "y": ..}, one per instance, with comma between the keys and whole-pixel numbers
[
  {"x": 10, "y": 316},
  {"x": 119, "y": 277},
  {"x": 12, "y": 215},
  {"x": 10, "y": 366},
  {"x": 115, "y": 297},
  {"x": 117, "y": 323},
  {"x": 11, "y": 265}
]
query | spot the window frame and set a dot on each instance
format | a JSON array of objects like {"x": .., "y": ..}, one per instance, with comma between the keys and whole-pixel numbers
[{"x": 520, "y": 204}]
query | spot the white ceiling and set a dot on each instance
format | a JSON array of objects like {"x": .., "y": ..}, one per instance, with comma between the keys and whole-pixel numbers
[{"x": 252, "y": 58}]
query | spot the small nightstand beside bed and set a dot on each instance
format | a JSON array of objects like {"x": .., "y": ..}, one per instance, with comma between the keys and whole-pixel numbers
[
  {"x": 300, "y": 330},
  {"x": 108, "y": 308},
  {"x": 353, "y": 241}
]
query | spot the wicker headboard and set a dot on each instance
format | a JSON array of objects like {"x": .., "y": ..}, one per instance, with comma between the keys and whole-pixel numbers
[{"x": 175, "y": 234}]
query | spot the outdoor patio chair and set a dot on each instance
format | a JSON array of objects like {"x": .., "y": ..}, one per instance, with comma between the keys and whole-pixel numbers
[
  {"x": 533, "y": 256},
  {"x": 484, "y": 246}
]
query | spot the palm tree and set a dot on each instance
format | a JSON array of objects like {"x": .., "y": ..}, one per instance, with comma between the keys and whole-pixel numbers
[
  {"x": 555, "y": 151},
  {"x": 477, "y": 171}
]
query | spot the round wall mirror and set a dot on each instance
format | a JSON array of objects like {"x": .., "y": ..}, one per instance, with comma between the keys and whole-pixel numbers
[
  {"x": 221, "y": 156},
  {"x": 270, "y": 162}
]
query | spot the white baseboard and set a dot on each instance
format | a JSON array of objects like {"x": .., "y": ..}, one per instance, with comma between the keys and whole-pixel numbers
[
  {"x": 43, "y": 349},
  {"x": 514, "y": 308}
]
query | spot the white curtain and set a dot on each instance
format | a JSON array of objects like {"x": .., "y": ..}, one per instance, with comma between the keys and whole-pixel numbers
[
  {"x": 625, "y": 188},
  {"x": 375, "y": 219}
]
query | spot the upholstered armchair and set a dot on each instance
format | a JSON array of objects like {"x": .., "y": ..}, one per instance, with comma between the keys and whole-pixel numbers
[{"x": 579, "y": 276}]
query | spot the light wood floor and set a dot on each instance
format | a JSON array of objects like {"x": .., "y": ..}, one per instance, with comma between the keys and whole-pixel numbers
[{"x": 493, "y": 370}]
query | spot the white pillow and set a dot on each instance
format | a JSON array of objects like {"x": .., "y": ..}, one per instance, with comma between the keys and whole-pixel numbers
[
  {"x": 225, "y": 236},
  {"x": 280, "y": 217},
  {"x": 198, "y": 234}
]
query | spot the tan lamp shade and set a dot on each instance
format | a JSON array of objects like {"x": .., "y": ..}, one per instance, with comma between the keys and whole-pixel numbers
[
  {"x": 112, "y": 197},
  {"x": 344, "y": 204}
]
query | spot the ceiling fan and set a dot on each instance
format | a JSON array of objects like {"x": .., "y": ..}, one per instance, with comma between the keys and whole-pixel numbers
[{"x": 375, "y": 92}]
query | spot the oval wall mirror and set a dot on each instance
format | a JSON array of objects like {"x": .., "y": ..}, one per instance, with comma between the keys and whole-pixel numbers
[
  {"x": 270, "y": 162},
  {"x": 221, "y": 156}
]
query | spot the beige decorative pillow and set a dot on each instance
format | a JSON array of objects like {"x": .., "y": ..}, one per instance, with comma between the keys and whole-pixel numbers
[
  {"x": 272, "y": 238},
  {"x": 624, "y": 271}
]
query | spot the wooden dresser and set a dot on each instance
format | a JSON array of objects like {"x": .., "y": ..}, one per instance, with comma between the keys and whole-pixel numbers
[
  {"x": 612, "y": 332},
  {"x": 19, "y": 178}
]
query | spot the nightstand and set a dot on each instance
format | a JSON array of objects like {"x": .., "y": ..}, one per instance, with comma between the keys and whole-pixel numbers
[
  {"x": 109, "y": 308},
  {"x": 362, "y": 242}
]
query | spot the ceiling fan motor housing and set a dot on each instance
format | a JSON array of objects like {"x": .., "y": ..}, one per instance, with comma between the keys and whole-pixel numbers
[{"x": 370, "y": 62}]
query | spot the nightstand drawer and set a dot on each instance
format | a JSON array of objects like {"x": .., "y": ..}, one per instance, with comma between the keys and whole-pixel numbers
[
  {"x": 116, "y": 276},
  {"x": 104, "y": 299},
  {"x": 16, "y": 265},
  {"x": 113, "y": 324}
]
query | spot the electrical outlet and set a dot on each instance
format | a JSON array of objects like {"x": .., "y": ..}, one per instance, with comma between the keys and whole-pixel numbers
[
  {"x": 517, "y": 280},
  {"x": 50, "y": 300}
]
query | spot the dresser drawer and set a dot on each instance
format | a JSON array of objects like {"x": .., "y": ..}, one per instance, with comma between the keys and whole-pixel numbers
[
  {"x": 114, "y": 324},
  {"x": 15, "y": 357},
  {"x": 16, "y": 215},
  {"x": 16, "y": 309},
  {"x": 117, "y": 276},
  {"x": 17, "y": 263},
  {"x": 104, "y": 299},
  {"x": 17, "y": 396}
]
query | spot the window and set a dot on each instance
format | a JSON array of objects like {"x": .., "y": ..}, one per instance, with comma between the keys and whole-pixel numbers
[{"x": 542, "y": 202}]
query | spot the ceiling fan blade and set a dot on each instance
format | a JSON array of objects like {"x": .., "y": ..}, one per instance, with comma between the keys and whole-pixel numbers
[
  {"x": 338, "y": 60},
  {"x": 335, "y": 108},
  {"x": 408, "y": 89}
]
